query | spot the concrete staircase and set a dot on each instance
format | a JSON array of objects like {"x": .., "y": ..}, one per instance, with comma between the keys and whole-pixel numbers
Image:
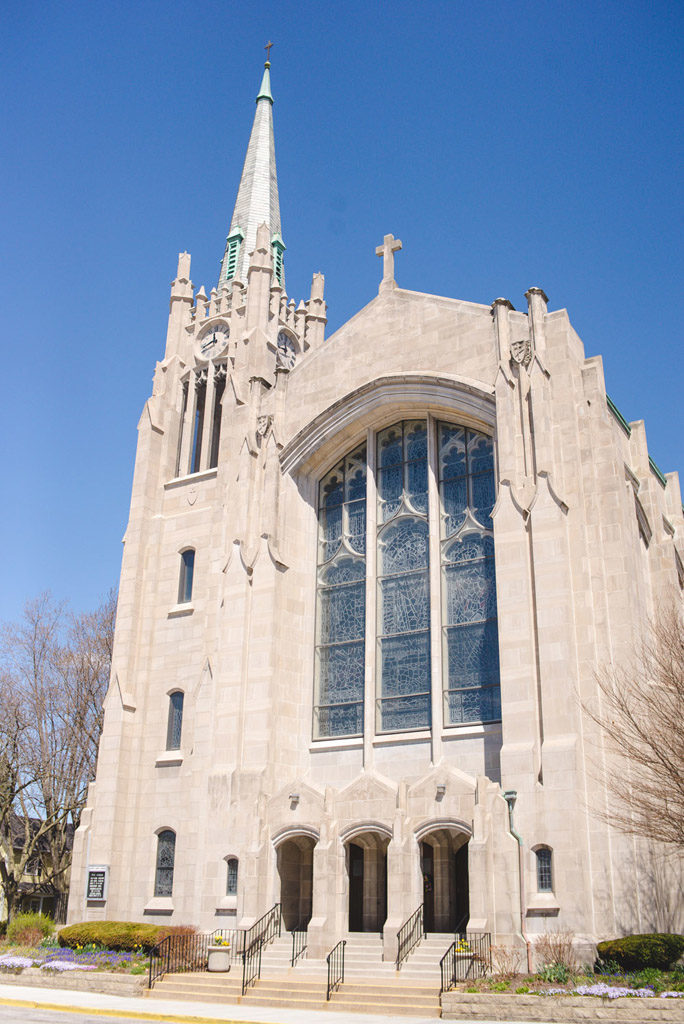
[
  {"x": 371, "y": 985},
  {"x": 423, "y": 963}
]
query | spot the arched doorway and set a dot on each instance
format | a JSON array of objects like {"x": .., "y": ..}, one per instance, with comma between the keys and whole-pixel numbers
[
  {"x": 444, "y": 867},
  {"x": 366, "y": 856},
  {"x": 295, "y": 868}
]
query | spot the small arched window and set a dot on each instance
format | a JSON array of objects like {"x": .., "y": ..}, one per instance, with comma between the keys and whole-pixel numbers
[
  {"x": 166, "y": 855},
  {"x": 232, "y": 876},
  {"x": 186, "y": 573},
  {"x": 544, "y": 872},
  {"x": 175, "y": 723}
]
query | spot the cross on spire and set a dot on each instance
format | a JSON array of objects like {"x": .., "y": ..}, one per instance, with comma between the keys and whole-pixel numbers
[
  {"x": 389, "y": 246},
  {"x": 267, "y": 48}
]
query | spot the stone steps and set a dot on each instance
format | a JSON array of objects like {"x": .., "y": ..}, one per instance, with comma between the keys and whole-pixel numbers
[{"x": 304, "y": 991}]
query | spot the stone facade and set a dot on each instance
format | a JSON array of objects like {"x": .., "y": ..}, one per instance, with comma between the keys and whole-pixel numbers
[{"x": 357, "y": 830}]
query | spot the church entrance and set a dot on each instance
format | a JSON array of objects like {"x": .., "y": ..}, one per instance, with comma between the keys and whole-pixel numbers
[
  {"x": 444, "y": 866},
  {"x": 367, "y": 874},
  {"x": 295, "y": 867}
]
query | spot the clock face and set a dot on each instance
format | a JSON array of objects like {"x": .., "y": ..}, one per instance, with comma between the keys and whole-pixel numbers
[
  {"x": 212, "y": 340},
  {"x": 286, "y": 355}
]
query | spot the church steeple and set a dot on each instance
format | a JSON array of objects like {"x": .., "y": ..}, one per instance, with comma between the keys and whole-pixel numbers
[{"x": 257, "y": 198}]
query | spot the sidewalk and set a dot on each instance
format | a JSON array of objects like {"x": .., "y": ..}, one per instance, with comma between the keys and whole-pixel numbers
[{"x": 115, "y": 1007}]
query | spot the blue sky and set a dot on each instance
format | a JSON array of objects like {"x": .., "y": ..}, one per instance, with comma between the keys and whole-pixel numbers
[{"x": 507, "y": 145}]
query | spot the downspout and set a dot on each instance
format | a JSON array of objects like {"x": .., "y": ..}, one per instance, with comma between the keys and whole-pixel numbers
[{"x": 510, "y": 796}]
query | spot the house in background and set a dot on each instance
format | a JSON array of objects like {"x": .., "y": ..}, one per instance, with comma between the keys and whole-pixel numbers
[{"x": 35, "y": 893}]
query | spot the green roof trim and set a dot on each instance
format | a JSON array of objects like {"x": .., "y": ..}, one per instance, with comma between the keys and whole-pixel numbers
[
  {"x": 657, "y": 472},
  {"x": 619, "y": 417}
]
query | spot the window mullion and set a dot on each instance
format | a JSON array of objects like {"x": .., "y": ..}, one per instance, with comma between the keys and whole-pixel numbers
[
  {"x": 435, "y": 572},
  {"x": 371, "y": 601}
]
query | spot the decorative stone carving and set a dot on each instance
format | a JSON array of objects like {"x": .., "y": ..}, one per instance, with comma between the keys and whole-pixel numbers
[{"x": 521, "y": 352}]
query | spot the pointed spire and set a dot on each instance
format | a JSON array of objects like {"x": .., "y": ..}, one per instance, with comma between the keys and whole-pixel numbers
[{"x": 257, "y": 199}]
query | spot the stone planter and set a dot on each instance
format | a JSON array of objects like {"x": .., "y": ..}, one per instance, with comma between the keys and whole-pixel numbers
[{"x": 219, "y": 958}]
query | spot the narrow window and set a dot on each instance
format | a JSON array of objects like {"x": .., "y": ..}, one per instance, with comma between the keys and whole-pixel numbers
[
  {"x": 186, "y": 573},
  {"x": 232, "y": 877},
  {"x": 219, "y": 386},
  {"x": 469, "y": 623},
  {"x": 201, "y": 388},
  {"x": 233, "y": 251},
  {"x": 166, "y": 853},
  {"x": 175, "y": 723},
  {"x": 184, "y": 409},
  {"x": 341, "y": 605},
  {"x": 278, "y": 247},
  {"x": 403, "y": 688},
  {"x": 544, "y": 875}
]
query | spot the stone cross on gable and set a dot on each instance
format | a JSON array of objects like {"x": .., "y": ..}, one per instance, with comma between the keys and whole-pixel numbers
[{"x": 387, "y": 250}]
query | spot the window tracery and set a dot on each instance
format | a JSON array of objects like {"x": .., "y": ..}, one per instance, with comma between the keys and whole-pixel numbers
[{"x": 463, "y": 479}]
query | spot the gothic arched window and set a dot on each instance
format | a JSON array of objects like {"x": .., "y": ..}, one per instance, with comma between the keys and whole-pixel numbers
[
  {"x": 166, "y": 855},
  {"x": 174, "y": 726},
  {"x": 232, "y": 876},
  {"x": 544, "y": 872},
  {"x": 432, "y": 488},
  {"x": 187, "y": 571}
]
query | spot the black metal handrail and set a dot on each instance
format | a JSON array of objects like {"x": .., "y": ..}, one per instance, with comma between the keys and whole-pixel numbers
[
  {"x": 299, "y": 944},
  {"x": 409, "y": 935},
  {"x": 251, "y": 963},
  {"x": 469, "y": 956},
  {"x": 178, "y": 953},
  {"x": 267, "y": 927},
  {"x": 335, "y": 960}
]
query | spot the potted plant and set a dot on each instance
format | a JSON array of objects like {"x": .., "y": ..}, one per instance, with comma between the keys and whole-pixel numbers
[{"x": 219, "y": 954}]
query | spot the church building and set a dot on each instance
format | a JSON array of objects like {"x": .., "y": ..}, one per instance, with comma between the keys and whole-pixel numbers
[{"x": 368, "y": 581}]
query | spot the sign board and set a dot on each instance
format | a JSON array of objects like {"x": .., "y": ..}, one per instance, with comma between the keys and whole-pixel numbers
[{"x": 98, "y": 880}]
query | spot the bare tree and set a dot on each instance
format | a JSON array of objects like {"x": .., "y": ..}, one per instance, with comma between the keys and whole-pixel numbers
[
  {"x": 641, "y": 714},
  {"x": 54, "y": 675}
]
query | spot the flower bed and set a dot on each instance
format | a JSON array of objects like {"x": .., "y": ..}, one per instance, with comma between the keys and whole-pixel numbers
[{"x": 62, "y": 961}]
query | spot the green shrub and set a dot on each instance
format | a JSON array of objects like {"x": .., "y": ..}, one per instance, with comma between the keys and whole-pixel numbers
[
  {"x": 126, "y": 935},
  {"x": 29, "y": 929},
  {"x": 554, "y": 972},
  {"x": 635, "y": 952}
]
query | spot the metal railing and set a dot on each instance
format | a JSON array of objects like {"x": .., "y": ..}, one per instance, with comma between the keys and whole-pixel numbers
[
  {"x": 335, "y": 960},
  {"x": 470, "y": 956},
  {"x": 409, "y": 935},
  {"x": 267, "y": 928},
  {"x": 251, "y": 963},
  {"x": 299, "y": 944},
  {"x": 177, "y": 953}
]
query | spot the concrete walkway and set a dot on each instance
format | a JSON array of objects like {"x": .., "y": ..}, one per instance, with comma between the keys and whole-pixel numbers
[{"x": 67, "y": 1002}]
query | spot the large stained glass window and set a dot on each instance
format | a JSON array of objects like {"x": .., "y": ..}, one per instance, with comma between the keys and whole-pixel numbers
[
  {"x": 471, "y": 649},
  {"x": 462, "y": 485},
  {"x": 403, "y": 586},
  {"x": 341, "y": 606}
]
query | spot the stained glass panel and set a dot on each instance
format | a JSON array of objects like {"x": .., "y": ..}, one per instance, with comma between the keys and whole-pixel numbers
[
  {"x": 472, "y": 654},
  {"x": 339, "y": 720},
  {"x": 330, "y": 532},
  {"x": 454, "y": 501},
  {"x": 483, "y": 497},
  {"x": 470, "y": 546},
  {"x": 398, "y": 713},
  {"x": 390, "y": 483},
  {"x": 332, "y": 487},
  {"x": 452, "y": 451},
  {"x": 480, "y": 453},
  {"x": 402, "y": 546},
  {"x": 404, "y": 603},
  {"x": 344, "y": 569},
  {"x": 356, "y": 525},
  {"x": 470, "y": 592},
  {"x": 390, "y": 447},
  {"x": 341, "y": 672},
  {"x": 342, "y": 613},
  {"x": 405, "y": 664},
  {"x": 166, "y": 853},
  {"x": 480, "y": 705},
  {"x": 415, "y": 440}
]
